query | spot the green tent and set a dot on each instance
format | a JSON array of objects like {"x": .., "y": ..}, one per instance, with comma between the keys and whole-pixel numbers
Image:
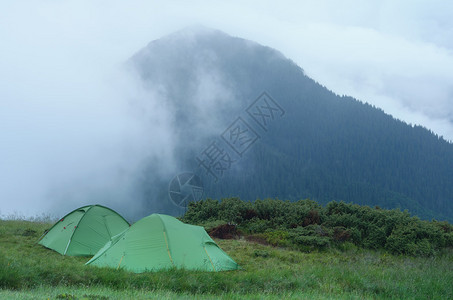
[
  {"x": 84, "y": 231},
  {"x": 161, "y": 242}
]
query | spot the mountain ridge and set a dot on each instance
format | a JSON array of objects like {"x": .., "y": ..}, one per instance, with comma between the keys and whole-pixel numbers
[{"x": 325, "y": 147}]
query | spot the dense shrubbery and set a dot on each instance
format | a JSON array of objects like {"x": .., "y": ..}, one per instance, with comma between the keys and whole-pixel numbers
[{"x": 306, "y": 225}]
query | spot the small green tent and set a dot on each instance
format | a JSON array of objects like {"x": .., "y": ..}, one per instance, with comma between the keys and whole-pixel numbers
[
  {"x": 161, "y": 242},
  {"x": 84, "y": 231}
]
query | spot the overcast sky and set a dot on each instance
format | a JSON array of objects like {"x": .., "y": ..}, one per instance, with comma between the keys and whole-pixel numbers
[{"x": 64, "y": 115}]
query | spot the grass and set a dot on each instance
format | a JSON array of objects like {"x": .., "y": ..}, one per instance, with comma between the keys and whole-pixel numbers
[{"x": 30, "y": 271}]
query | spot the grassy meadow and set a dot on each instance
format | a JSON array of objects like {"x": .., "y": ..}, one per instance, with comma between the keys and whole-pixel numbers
[{"x": 30, "y": 271}]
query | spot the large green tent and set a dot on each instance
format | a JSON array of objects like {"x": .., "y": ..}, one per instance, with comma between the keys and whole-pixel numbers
[
  {"x": 84, "y": 231},
  {"x": 161, "y": 242}
]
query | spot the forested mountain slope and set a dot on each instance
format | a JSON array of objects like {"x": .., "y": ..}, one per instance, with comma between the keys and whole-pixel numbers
[{"x": 299, "y": 140}]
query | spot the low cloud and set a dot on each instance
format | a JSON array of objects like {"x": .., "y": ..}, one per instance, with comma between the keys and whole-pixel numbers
[{"x": 74, "y": 126}]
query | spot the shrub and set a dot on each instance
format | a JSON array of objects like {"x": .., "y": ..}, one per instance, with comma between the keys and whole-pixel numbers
[
  {"x": 257, "y": 226},
  {"x": 234, "y": 210},
  {"x": 201, "y": 211},
  {"x": 278, "y": 238},
  {"x": 312, "y": 235},
  {"x": 307, "y": 223},
  {"x": 224, "y": 231},
  {"x": 341, "y": 234},
  {"x": 314, "y": 241},
  {"x": 418, "y": 238}
]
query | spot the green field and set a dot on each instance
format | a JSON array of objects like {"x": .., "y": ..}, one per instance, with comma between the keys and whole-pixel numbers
[{"x": 29, "y": 271}]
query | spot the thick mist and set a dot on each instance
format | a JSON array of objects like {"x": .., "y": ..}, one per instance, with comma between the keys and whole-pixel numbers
[
  {"x": 90, "y": 133},
  {"x": 78, "y": 126},
  {"x": 84, "y": 140}
]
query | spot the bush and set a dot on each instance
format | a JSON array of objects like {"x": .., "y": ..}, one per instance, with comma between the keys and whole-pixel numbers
[
  {"x": 234, "y": 210},
  {"x": 314, "y": 241},
  {"x": 418, "y": 238},
  {"x": 341, "y": 234},
  {"x": 307, "y": 223},
  {"x": 257, "y": 226},
  {"x": 312, "y": 235},
  {"x": 278, "y": 238},
  {"x": 202, "y": 211}
]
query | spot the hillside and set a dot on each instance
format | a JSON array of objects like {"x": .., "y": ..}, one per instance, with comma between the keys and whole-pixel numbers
[
  {"x": 312, "y": 143},
  {"x": 30, "y": 271}
]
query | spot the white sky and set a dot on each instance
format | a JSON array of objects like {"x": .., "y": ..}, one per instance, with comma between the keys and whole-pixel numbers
[{"x": 64, "y": 119}]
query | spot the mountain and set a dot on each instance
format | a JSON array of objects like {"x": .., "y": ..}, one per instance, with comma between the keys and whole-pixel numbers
[{"x": 250, "y": 123}]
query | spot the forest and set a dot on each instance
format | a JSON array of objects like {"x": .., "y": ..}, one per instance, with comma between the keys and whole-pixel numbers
[{"x": 301, "y": 140}]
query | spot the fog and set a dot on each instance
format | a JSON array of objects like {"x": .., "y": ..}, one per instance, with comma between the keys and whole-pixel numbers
[{"x": 76, "y": 127}]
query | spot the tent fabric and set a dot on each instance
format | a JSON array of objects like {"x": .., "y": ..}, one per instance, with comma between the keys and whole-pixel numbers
[
  {"x": 162, "y": 242},
  {"x": 84, "y": 231}
]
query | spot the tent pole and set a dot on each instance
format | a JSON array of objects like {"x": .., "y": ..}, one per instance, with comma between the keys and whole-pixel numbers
[
  {"x": 46, "y": 231},
  {"x": 120, "y": 262},
  {"x": 65, "y": 250},
  {"x": 209, "y": 258},
  {"x": 168, "y": 249}
]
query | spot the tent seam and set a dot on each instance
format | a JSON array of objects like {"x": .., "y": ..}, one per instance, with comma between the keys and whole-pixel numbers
[
  {"x": 209, "y": 258},
  {"x": 168, "y": 249},
  {"x": 165, "y": 237},
  {"x": 113, "y": 211},
  {"x": 60, "y": 221},
  {"x": 77, "y": 227}
]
